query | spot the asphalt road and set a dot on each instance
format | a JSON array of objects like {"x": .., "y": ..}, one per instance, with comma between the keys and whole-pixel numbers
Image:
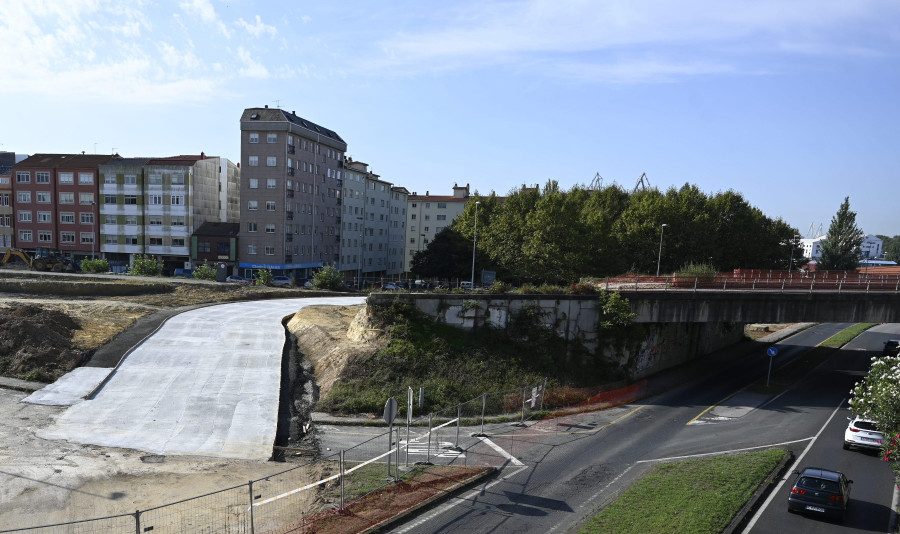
[
  {"x": 557, "y": 474},
  {"x": 872, "y": 491}
]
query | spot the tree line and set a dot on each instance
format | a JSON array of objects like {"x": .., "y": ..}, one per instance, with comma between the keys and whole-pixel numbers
[{"x": 551, "y": 235}]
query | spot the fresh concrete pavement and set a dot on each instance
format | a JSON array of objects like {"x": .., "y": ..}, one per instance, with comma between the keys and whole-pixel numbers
[{"x": 205, "y": 383}]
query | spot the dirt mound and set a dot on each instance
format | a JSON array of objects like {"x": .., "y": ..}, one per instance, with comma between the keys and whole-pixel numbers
[{"x": 36, "y": 343}]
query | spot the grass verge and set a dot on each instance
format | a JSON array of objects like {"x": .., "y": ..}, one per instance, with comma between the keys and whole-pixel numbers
[{"x": 687, "y": 497}]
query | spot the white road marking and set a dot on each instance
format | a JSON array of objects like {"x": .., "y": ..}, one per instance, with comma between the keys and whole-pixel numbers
[
  {"x": 512, "y": 459},
  {"x": 772, "y": 495}
]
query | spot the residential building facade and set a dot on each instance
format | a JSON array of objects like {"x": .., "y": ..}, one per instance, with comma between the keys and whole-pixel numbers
[
  {"x": 55, "y": 203},
  {"x": 871, "y": 247},
  {"x": 427, "y": 215},
  {"x": 291, "y": 186},
  {"x": 7, "y": 160}
]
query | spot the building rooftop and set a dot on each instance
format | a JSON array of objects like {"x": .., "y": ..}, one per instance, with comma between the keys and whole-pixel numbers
[
  {"x": 267, "y": 114},
  {"x": 65, "y": 161}
]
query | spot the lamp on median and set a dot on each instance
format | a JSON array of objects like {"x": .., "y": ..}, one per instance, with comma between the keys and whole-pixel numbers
[
  {"x": 791, "y": 261},
  {"x": 474, "y": 241},
  {"x": 659, "y": 258}
]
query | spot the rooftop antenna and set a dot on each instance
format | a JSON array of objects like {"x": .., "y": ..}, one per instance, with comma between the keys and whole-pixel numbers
[
  {"x": 597, "y": 184},
  {"x": 277, "y": 103},
  {"x": 643, "y": 183}
]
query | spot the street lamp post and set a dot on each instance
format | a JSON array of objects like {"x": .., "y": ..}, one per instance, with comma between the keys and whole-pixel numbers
[
  {"x": 474, "y": 242},
  {"x": 93, "y": 229},
  {"x": 659, "y": 258},
  {"x": 791, "y": 261}
]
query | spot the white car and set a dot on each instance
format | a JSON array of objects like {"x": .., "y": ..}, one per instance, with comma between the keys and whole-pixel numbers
[{"x": 863, "y": 434}]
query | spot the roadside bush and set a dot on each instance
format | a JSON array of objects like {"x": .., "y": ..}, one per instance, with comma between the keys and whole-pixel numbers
[
  {"x": 582, "y": 288},
  {"x": 498, "y": 288},
  {"x": 95, "y": 266},
  {"x": 146, "y": 266},
  {"x": 205, "y": 272},
  {"x": 263, "y": 277},
  {"x": 703, "y": 271},
  {"x": 328, "y": 277}
]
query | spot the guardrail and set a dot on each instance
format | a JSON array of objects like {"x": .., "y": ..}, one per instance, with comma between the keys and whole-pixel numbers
[{"x": 729, "y": 282}]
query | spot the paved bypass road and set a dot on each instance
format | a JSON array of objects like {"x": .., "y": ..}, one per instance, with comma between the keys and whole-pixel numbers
[{"x": 555, "y": 474}]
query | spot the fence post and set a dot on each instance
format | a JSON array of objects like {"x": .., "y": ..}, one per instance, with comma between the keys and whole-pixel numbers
[
  {"x": 458, "y": 422},
  {"x": 483, "y": 407},
  {"x": 543, "y": 392},
  {"x": 524, "y": 395},
  {"x": 342, "y": 480},
  {"x": 696, "y": 279},
  {"x": 428, "y": 450},
  {"x": 137, "y": 522},
  {"x": 250, "y": 490}
]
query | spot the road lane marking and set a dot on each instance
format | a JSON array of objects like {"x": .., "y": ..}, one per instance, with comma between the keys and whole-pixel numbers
[
  {"x": 713, "y": 406},
  {"x": 512, "y": 459},
  {"x": 723, "y": 453},
  {"x": 774, "y": 492}
]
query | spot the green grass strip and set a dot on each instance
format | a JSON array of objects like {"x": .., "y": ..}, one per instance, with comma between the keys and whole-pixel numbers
[
  {"x": 844, "y": 336},
  {"x": 687, "y": 497}
]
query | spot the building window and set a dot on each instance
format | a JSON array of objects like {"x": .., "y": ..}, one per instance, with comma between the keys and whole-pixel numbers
[
  {"x": 271, "y": 138},
  {"x": 45, "y": 236},
  {"x": 254, "y": 138},
  {"x": 131, "y": 200},
  {"x": 155, "y": 179},
  {"x": 413, "y": 216},
  {"x": 254, "y": 183},
  {"x": 177, "y": 200},
  {"x": 270, "y": 251},
  {"x": 131, "y": 240},
  {"x": 177, "y": 179},
  {"x": 110, "y": 219},
  {"x": 177, "y": 220},
  {"x": 252, "y": 205},
  {"x": 270, "y": 183},
  {"x": 131, "y": 220},
  {"x": 43, "y": 216},
  {"x": 23, "y": 178},
  {"x": 203, "y": 247},
  {"x": 251, "y": 249},
  {"x": 24, "y": 216},
  {"x": 87, "y": 238},
  {"x": 67, "y": 198},
  {"x": 155, "y": 220},
  {"x": 177, "y": 241},
  {"x": 42, "y": 177},
  {"x": 442, "y": 205},
  {"x": 155, "y": 200},
  {"x": 67, "y": 237},
  {"x": 130, "y": 179},
  {"x": 251, "y": 226},
  {"x": 270, "y": 205},
  {"x": 25, "y": 235},
  {"x": 67, "y": 217},
  {"x": 66, "y": 178},
  {"x": 23, "y": 197},
  {"x": 87, "y": 218},
  {"x": 85, "y": 178},
  {"x": 253, "y": 161},
  {"x": 109, "y": 199},
  {"x": 270, "y": 228},
  {"x": 43, "y": 197},
  {"x": 271, "y": 161},
  {"x": 155, "y": 241},
  {"x": 85, "y": 199},
  {"x": 441, "y": 217},
  {"x": 109, "y": 179},
  {"x": 112, "y": 239}
]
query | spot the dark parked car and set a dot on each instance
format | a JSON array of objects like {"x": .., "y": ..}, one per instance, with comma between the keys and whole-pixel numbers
[
  {"x": 820, "y": 491},
  {"x": 891, "y": 348}
]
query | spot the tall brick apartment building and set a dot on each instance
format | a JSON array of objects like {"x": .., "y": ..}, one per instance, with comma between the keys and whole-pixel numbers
[
  {"x": 55, "y": 202},
  {"x": 291, "y": 180}
]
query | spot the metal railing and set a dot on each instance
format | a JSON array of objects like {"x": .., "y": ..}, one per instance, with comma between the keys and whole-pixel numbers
[{"x": 758, "y": 281}]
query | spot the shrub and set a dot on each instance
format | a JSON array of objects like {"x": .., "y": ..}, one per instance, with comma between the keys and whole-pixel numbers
[
  {"x": 703, "y": 271},
  {"x": 328, "y": 277},
  {"x": 263, "y": 277},
  {"x": 95, "y": 266},
  {"x": 205, "y": 272},
  {"x": 582, "y": 288},
  {"x": 499, "y": 287},
  {"x": 146, "y": 266}
]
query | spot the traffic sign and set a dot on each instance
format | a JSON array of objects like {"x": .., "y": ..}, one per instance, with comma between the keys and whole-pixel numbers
[
  {"x": 390, "y": 410},
  {"x": 772, "y": 351}
]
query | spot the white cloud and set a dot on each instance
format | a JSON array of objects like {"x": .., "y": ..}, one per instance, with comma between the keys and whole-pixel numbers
[
  {"x": 250, "y": 68},
  {"x": 257, "y": 29},
  {"x": 207, "y": 13}
]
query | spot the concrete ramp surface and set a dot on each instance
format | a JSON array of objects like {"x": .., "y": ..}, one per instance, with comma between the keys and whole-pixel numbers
[{"x": 206, "y": 383}]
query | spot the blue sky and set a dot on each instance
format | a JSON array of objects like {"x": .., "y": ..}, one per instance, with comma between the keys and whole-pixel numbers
[{"x": 794, "y": 104}]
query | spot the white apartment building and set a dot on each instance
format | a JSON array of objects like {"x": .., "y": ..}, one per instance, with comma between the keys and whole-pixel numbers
[
  {"x": 871, "y": 247},
  {"x": 427, "y": 214}
]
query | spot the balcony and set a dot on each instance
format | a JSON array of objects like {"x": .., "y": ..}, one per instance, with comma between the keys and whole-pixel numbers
[
  {"x": 290, "y": 171},
  {"x": 291, "y": 149}
]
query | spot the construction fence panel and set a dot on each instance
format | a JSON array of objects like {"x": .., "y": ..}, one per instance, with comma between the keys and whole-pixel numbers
[
  {"x": 223, "y": 512},
  {"x": 286, "y": 501},
  {"x": 119, "y": 524}
]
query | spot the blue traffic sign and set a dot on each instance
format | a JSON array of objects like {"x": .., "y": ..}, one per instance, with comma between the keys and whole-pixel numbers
[{"x": 772, "y": 351}]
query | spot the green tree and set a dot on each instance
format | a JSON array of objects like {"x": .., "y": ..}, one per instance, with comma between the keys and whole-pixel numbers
[
  {"x": 877, "y": 397},
  {"x": 95, "y": 266},
  {"x": 146, "y": 266},
  {"x": 840, "y": 248},
  {"x": 205, "y": 271},
  {"x": 328, "y": 277},
  {"x": 263, "y": 277},
  {"x": 448, "y": 256},
  {"x": 891, "y": 247}
]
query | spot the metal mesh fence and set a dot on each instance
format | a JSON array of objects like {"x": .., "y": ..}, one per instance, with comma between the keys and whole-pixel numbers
[
  {"x": 104, "y": 525},
  {"x": 222, "y": 512}
]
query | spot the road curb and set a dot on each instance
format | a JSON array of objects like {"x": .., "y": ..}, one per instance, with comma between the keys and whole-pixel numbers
[
  {"x": 431, "y": 501},
  {"x": 762, "y": 492}
]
